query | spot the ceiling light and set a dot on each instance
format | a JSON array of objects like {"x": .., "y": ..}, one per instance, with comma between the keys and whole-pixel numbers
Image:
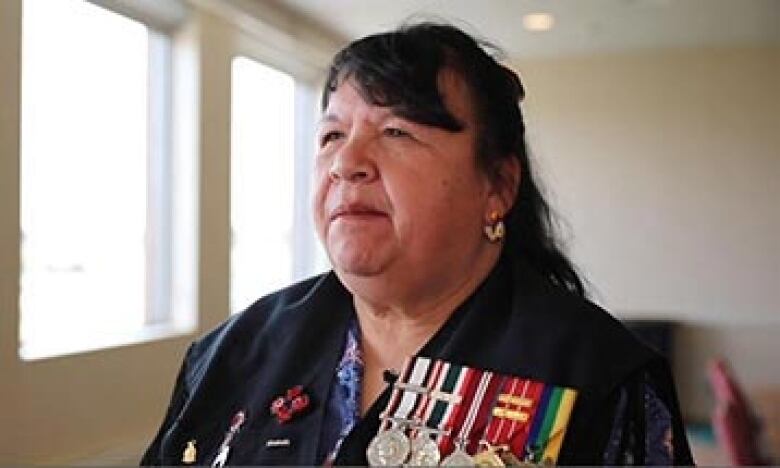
[{"x": 538, "y": 21}]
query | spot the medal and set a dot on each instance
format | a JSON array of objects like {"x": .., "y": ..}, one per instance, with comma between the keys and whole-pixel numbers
[
  {"x": 459, "y": 457},
  {"x": 425, "y": 452},
  {"x": 507, "y": 427},
  {"x": 510, "y": 459},
  {"x": 390, "y": 447},
  {"x": 488, "y": 457},
  {"x": 438, "y": 411},
  {"x": 477, "y": 385}
]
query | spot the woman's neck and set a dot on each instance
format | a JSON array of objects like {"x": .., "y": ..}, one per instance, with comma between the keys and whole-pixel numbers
[{"x": 390, "y": 333}]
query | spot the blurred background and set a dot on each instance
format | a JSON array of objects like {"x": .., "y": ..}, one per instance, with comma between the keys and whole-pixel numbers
[{"x": 155, "y": 160}]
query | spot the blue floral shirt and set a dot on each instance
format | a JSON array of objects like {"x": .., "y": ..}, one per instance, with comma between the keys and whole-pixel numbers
[{"x": 343, "y": 410}]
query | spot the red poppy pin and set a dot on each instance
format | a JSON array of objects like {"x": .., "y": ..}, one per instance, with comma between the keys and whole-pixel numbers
[{"x": 294, "y": 402}]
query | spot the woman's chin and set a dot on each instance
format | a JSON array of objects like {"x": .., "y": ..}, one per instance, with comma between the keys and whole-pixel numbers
[
  {"x": 357, "y": 262},
  {"x": 357, "y": 266},
  {"x": 360, "y": 255}
]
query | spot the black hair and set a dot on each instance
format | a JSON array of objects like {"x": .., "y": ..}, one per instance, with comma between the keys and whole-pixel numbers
[{"x": 401, "y": 70}]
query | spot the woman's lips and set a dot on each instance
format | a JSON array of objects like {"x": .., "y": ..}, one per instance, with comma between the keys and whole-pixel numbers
[{"x": 356, "y": 213}]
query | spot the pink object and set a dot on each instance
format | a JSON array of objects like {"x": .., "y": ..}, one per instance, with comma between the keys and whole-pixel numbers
[{"x": 736, "y": 428}]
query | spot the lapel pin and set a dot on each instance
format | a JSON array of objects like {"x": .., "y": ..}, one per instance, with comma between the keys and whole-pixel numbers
[
  {"x": 190, "y": 453},
  {"x": 294, "y": 401},
  {"x": 277, "y": 443},
  {"x": 224, "y": 449}
]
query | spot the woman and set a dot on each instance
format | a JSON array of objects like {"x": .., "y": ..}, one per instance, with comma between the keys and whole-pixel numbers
[{"x": 452, "y": 329}]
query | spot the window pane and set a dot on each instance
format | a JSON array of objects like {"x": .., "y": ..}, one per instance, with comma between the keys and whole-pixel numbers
[
  {"x": 262, "y": 164},
  {"x": 84, "y": 149}
]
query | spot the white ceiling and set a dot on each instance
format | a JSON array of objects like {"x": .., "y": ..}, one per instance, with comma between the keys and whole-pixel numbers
[{"x": 581, "y": 26}]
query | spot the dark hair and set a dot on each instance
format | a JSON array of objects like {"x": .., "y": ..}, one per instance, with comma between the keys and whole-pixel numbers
[{"x": 400, "y": 69}]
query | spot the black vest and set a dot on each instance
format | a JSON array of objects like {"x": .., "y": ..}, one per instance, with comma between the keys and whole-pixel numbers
[{"x": 515, "y": 323}]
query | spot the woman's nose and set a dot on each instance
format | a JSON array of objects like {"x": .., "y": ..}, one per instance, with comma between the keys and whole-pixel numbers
[{"x": 352, "y": 163}]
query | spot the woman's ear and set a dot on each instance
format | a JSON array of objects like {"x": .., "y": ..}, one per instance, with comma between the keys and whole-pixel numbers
[{"x": 505, "y": 184}]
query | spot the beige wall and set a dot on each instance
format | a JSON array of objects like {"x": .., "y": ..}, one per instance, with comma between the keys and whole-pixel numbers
[{"x": 666, "y": 166}]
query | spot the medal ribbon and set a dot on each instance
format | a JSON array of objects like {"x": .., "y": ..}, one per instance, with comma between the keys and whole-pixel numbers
[
  {"x": 473, "y": 408},
  {"x": 412, "y": 390},
  {"x": 455, "y": 417},
  {"x": 424, "y": 401},
  {"x": 395, "y": 397},
  {"x": 513, "y": 413},
  {"x": 446, "y": 396},
  {"x": 476, "y": 408},
  {"x": 476, "y": 436},
  {"x": 459, "y": 402},
  {"x": 550, "y": 422},
  {"x": 458, "y": 380},
  {"x": 504, "y": 416},
  {"x": 413, "y": 393}
]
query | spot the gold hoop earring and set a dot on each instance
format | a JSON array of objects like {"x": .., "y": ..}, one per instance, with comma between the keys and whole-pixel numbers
[{"x": 495, "y": 231}]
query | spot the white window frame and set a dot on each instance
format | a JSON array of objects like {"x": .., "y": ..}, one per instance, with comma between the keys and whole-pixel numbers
[
  {"x": 308, "y": 257},
  {"x": 159, "y": 210}
]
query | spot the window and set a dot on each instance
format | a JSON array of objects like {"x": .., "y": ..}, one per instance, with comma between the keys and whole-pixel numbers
[
  {"x": 95, "y": 178},
  {"x": 262, "y": 184}
]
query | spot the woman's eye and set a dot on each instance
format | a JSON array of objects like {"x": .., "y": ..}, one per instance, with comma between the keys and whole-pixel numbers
[
  {"x": 396, "y": 132},
  {"x": 329, "y": 136}
]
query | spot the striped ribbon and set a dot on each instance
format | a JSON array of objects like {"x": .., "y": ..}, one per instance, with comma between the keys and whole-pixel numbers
[{"x": 472, "y": 405}]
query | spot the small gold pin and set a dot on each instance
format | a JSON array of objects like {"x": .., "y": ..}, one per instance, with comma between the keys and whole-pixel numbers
[
  {"x": 190, "y": 453},
  {"x": 512, "y": 415},
  {"x": 515, "y": 400}
]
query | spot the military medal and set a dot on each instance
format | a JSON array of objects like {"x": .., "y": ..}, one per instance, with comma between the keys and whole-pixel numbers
[
  {"x": 509, "y": 458},
  {"x": 484, "y": 384},
  {"x": 448, "y": 408},
  {"x": 507, "y": 418},
  {"x": 459, "y": 457},
  {"x": 391, "y": 446},
  {"x": 488, "y": 457},
  {"x": 425, "y": 451}
]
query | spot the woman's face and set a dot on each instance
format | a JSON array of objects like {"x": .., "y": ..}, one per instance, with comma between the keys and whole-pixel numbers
[{"x": 397, "y": 199}]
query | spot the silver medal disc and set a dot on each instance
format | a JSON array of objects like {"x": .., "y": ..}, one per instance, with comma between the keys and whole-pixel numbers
[
  {"x": 388, "y": 448},
  {"x": 425, "y": 452},
  {"x": 459, "y": 457}
]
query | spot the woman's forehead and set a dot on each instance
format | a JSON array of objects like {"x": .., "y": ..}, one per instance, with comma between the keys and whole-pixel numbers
[{"x": 349, "y": 98}]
